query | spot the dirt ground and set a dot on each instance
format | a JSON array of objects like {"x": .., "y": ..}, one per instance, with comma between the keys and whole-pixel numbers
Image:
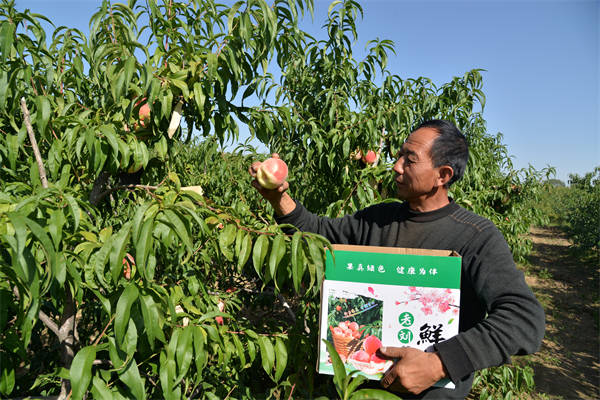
[{"x": 568, "y": 364}]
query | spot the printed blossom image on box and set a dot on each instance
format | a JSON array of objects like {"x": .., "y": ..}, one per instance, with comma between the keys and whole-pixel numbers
[{"x": 422, "y": 317}]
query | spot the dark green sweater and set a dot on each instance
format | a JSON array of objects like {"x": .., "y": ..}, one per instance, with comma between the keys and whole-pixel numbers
[{"x": 499, "y": 315}]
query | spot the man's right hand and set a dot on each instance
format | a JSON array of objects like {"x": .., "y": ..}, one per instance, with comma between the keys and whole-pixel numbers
[{"x": 281, "y": 201}]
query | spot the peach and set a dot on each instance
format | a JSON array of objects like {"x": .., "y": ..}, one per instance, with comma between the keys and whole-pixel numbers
[
  {"x": 144, "y": 114},
  {"x": 370, "y": 157},
  {"x": 361, "y": 356},
  {"x": 376, "y": 360},
  {"x": 272, "y": 173},
  {"x": 371, "y": 344}
]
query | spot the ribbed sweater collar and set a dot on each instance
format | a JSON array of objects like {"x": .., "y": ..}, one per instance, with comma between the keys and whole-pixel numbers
[{"x": 429, "y": 216}]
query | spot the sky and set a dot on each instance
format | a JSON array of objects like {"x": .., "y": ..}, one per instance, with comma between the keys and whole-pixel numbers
[{"x": 541, "y": 60}]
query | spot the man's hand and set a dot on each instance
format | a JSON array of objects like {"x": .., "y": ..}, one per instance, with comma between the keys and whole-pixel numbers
[
  {"x": 282, "y": 202},
  {"x": 414, "y": 371}
]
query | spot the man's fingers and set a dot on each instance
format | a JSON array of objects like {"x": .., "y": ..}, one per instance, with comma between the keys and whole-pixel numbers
[
  {"x": 393, "y": 352},
  {"x": 389, "y": 377},
  {"x": 284, "y": 186},
  {"x": 254, "y": 167}
]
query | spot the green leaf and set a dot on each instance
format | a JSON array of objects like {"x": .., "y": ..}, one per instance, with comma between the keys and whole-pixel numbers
[
  {"x": 200, "y": 353},
  {"x": 12, "y": 144},
  {"x": 75, "y": 210},
  {"x": 373, "y": 394},
  {"x": 138, "y": 218},
  {"x": 100, "y": 390},
  {"x": 297, "y": 260},
  {"x": 81, "y": 371},
  {"x": 281, "y": 356},
  {"x": 240, "y": 350},
  {"x": 267, "y": 354},
  {"x": 7, "y": 37},
  {"x": 129, "y": 295},
  {"x": 117, "y": 253},
  {"x": 353, "y": 383},
  {"x": 131, "y": 377},
  {"x": 339, "y": 370},
  {"x": 129, "y": 69},
  {"x": 199, "y": 97},
  {"x": 212, "y": 65},
  {"x": 261, "y": 247},
  {"x": 183, "y": 86},
  {"x": 42, "y": 113},
  {"x": 277, "y": 253},
  {"x": 231, "y": 15},
  {"x": 346, "y": 148},
  {"x": 151, "y": 319},
  {"x": 144, "y": 245},
  {"x": 226, "y": 238},
  {"x": 7, "y": 375},
  {"x": 44, "y": 239},
  {"x": 184, "y": 352},
  {"x": 181, "y": 228},
  {"x": 317, "y": 254},
  {"x": 245, "y": 250}
]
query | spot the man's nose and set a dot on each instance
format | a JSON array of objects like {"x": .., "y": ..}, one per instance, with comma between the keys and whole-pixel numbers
[{"x": 399, "y": 166}]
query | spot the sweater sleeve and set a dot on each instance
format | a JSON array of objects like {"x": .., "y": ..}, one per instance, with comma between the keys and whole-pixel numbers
[
  {"x": 515, "y": 321},
  {"x": 345, "y": 230}
]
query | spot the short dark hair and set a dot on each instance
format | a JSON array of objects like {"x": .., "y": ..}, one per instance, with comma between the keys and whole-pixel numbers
[{"x": 449, "y": 148}]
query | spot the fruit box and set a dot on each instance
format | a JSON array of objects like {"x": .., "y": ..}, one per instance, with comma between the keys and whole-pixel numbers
[{"x": 373, "y": 296}]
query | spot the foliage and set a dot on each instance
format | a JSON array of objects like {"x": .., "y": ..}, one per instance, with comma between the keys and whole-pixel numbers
[
  {"x": 346, "y": 384},
  {"x": 122, "y": 282},
  {"x": 576, "y": 209},
  {"x": 580, "y": 210},
  {"x": 504, "y": 382}
]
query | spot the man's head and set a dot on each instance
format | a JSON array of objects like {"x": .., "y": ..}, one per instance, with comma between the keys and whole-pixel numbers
[
  {"x": 432, "y": 157},
  {"x": 449, "y": 148}
]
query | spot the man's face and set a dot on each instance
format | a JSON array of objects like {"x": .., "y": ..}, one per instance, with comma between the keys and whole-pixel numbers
[{"x": 416, "y": 176}]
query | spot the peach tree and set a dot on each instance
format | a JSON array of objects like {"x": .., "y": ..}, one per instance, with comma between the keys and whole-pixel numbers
[{"x": 136, "y": 259}]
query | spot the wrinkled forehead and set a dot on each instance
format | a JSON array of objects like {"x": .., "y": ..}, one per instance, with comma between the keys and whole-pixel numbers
[{"x": 420, "y": 141}]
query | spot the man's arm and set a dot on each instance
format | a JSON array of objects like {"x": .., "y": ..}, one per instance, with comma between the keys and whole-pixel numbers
[
  {"x": 346, "y": 230},
  {"x": 515, "y": 322}
]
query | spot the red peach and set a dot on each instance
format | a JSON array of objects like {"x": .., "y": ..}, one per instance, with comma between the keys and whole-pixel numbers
[
  {"x": 272, "y": 173},
  {"x": 361, "y": 356},
  {"x": 370, "y": 157},
  {"x": 144, "y": 114},
  {"x": 371, "y": 344},
  {"x": 376, "y": 360}
]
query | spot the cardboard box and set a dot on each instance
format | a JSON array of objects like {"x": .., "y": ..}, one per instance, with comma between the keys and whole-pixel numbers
[{"x": 373, "y": 296}]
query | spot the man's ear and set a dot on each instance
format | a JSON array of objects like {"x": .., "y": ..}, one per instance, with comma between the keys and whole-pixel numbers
[{"x": 445, "y": 173}]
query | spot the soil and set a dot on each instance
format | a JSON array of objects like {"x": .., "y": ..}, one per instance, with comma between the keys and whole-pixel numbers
[{"x": 568, "y": 364}]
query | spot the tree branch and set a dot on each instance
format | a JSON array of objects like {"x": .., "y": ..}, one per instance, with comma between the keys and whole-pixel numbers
[
  {"x": 49, "y": 322},
  {"x": 36, "y": 150},
  {"x": 46, "y": 320}
]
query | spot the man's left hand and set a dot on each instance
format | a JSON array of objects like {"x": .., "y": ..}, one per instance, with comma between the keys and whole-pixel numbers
[{"x": 414, "y": 371}]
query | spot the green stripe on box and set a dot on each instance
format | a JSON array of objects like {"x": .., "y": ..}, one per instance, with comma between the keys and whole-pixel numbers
[{"x": 394, "y": 269}]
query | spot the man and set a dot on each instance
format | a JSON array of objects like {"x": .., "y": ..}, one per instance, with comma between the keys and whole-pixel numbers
[{"x": 499, "y": 315}]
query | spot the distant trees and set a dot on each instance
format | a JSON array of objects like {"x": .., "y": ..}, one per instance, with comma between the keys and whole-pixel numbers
[{"x": 576, "y": 208}]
